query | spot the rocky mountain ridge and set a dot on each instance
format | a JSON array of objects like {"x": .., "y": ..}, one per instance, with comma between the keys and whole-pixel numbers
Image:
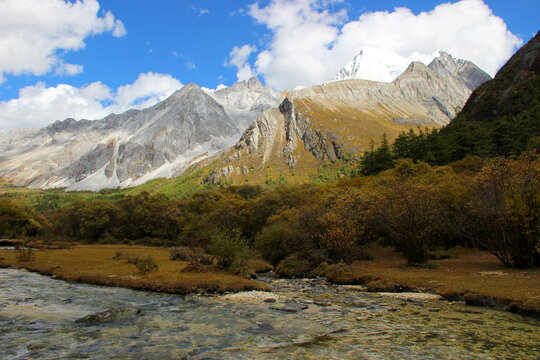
[
  {"x": 136, "y": 146},
  {"x": 288, "y": 133},
  {"x": 325, "y": 122},
  {"x": 383, "y": 65}
]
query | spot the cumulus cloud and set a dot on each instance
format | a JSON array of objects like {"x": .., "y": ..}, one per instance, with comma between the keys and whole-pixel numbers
[
  {"x": 39, "y": 105},
  {"x": 310, "y": 43},
  {"x": 239, "y": 57},
  {"x": 33, "y": 33},
  {"x": 63, "y": 69}
]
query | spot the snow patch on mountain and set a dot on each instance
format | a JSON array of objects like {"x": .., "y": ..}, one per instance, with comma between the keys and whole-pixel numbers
[{"x": 379, "y": 65}]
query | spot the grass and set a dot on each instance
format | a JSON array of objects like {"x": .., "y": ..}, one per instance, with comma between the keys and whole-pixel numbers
[
  {"x": 94, "y": 264},
  {"x": 475, "y": 276}
]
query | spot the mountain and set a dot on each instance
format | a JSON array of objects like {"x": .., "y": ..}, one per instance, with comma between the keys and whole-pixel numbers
[
  {"x": 377, "y": 65},
  {"x": 467, "y": 72},
  {"x": 501, "y": 117},
  {"x": 324, "y": 123},
  {"x": 384, "y": 65},
  {"x": 246, "y": 100},
  {"x": 136, "y": 146}
]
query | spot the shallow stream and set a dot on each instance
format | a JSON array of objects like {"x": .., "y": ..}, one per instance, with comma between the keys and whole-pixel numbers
[{"x": 308, "y": 320}]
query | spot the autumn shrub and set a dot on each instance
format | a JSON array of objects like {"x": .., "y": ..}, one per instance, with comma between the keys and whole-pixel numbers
[
  {"x": 507, "y": 210},
  {"x": 405, "y": 214},
  {"x": 271, "y": 242},
  {"x": 195, "y": 267},
  {"x": 24, "y": 254},
  {"x": 231, "y": 251},
  {"x": 17, "y": 220},
  {"x": 341, "y": 273},
  {"x": 295, "y": 266},
  {"x": 145, "y": 264}
]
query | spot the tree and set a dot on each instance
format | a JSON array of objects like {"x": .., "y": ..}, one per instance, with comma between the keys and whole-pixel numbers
[
  {"x": 375, "y": 161},
  {"x": 507, "y": 207}
]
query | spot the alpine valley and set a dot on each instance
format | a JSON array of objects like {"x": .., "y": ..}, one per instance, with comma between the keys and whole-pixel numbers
[{"x": 247, "y": 131}]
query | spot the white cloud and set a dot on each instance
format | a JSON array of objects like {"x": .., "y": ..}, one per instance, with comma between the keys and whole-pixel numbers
[
  {"x": 34, "y": 32},
  {"x": 311, "y": 43},
  {"x": 204, "y": 12},
  {"x": 39, "y": 105},
  {"x": 239, "y": 57},
  {"x": 63, "y": 69}
]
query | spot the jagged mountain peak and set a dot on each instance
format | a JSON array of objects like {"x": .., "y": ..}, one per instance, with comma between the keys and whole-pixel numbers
[
  {"x": 377, "y": 65},
  {"x": 466, "y": 71},
  {"x": 135, "y": 146},
  {"x": 385, "y": 65}
]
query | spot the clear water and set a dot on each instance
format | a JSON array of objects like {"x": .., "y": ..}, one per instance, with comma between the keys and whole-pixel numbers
[{"x": 37, "y": 320}]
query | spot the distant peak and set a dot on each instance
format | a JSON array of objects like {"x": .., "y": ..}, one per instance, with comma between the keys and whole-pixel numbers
[
  {"x": 416, "y": 66},
  {"x": 190, "y": 86},
  {"x": 254, "y": 82}
]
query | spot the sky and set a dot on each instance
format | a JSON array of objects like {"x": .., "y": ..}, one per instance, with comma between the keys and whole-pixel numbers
[{"x": 89, "y": 58}]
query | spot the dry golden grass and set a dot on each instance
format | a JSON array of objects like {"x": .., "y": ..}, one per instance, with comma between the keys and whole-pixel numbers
[
  {"x": 472, "y": 275},
  {"x": 94, "y": 264}
]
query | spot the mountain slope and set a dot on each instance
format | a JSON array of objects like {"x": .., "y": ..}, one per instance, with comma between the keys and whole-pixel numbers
[
  {"x": 133, "y": 147},
  {"x": 383, "y": 65},
  {"x": 325, "y": 122},
  {"x": 502, "y": 116}
]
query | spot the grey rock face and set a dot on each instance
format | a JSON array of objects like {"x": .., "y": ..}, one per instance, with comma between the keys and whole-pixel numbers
[
  {"x": 420, "y": 95},
  {"x": 467, "y": 72},
  {"x": 138, "y": 145}
]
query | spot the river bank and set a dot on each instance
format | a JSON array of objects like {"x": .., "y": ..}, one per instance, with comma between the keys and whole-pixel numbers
[
  {"x": 107, "y": 265},
  {"x": 474, "y": 277},
  {"x": 44, "y": 318}
]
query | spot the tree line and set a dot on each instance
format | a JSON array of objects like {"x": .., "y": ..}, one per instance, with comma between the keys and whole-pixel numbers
[{"x": 415, "y": 207}]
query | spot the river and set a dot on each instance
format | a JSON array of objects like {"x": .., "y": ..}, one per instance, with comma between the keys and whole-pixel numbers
[{"x": 305, "y": 319}]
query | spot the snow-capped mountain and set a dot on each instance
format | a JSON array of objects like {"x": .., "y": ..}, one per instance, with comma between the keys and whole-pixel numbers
[
  {"x": 136, "y": 146},
  {"x": 385, "y": 65},
  {"x": 322, "y": 123},
  {"x": 378, "y": 65}
]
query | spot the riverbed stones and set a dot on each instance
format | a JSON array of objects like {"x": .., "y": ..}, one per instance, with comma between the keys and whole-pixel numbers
[
  {"x": 290, "y": 307},
  {"x": 107, "y": 316}
]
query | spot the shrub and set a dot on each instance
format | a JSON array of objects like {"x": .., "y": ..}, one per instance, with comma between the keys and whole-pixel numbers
[
  {"x": 295, "y": 266},
  {"x": 144, "y": 264},
  {"x": 340, "y": 274},
  {"x": 195, "y": 267},
  {"x": 271, "y": 242},
  {"x": 25, "y": 254},
  {"x": 507, "y": 208},
  {"x": 195, "y": 255},
  {"x": 442, "y": 254},
  {"x": 231, "y": 250}
]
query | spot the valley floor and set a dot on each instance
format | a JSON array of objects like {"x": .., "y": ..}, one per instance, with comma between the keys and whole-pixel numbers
[
  {"x": 474, "y": 276},
  {"x": 96, "y": 264}
]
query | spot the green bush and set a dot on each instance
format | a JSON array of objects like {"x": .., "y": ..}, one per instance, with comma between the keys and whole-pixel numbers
[
  {"x": 296, "y": 266},
  {"x": 271, "y": 242},
  {"x": 231, "y": 251},
  {"x": 144, "y": 264}
]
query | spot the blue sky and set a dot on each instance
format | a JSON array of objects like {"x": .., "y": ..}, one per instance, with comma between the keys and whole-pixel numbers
[{"x": 135, "y": 53}]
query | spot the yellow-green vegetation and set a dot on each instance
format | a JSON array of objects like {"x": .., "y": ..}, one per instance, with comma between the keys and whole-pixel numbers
[
  {"x": 472, "y": 275},
  {"x": 317, "y": 229},
  {"x": 112, "y": 265},
  {"x": 357, "y": 129}
]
